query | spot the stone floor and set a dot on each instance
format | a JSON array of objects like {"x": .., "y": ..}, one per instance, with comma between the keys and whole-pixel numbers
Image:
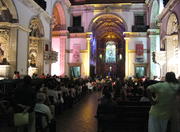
[{"x": 81, "y": 117}]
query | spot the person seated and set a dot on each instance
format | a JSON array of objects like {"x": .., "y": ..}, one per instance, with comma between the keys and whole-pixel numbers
[
  {"x": 40, "y": 107},
  {"x": 144, "y": 98},
  {"x": 106, "y": 106}
]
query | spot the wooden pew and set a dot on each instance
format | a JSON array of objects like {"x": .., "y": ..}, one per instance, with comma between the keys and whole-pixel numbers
[{"x": 126, "y": 116}]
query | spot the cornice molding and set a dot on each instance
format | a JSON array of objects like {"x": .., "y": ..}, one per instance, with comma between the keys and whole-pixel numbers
[
  {"x": 153, "y": 31},
  {"x": 108, "y": 7},
  {"x": 14, "y": 25},
  {"x": 81, "y": 51},
  {"x": 80, "y": 35},
  {"x": 60, "y": 33},
  {"x": 135, "y": 34},
  {"x": 134, "y": 51}
]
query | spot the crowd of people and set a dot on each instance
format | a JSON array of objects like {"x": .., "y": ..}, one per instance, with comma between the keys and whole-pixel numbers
[{"x": 52, "y": 95}]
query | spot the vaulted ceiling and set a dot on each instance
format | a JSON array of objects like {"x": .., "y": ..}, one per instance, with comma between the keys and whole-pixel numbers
[{"x": 108, "y": 26}]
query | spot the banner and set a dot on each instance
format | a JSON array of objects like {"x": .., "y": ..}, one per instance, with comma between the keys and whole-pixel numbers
[
  {"x": 139, "y": 53},
  {"x": 76, "y": 53}
]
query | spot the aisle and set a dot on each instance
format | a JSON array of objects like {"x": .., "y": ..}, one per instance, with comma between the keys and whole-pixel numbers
[{"x": 81, "y": 117}]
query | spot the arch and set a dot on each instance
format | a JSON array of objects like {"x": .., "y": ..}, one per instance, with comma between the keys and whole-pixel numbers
[
  {"x": 12, "y": 8},
  {"x": 102, "y": 14},
  {"x": 107, "y": 28},
  {"x": 172, "y": 24},
  {"x": 9, "y": 10},
  {"x": 58, "y": 16}
]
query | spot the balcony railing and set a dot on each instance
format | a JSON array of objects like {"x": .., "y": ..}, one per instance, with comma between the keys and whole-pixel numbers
[
  {"x": 76, "y": 29},
  {"x": 140, "y": 28},
  {"x": 41, "y": 3}
]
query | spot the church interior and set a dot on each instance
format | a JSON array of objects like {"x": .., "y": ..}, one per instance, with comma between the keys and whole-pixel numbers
[{"x": 81, "y": 41}]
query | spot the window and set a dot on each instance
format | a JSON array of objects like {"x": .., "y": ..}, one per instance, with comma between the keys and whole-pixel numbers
[
  {"x": 110, "y": 52},
  {"x": 140, "y": 71},
  {"x": 75, "y": 71},
  {"x": 76, "y": 21},
  {"x": 139, "y": 20}
]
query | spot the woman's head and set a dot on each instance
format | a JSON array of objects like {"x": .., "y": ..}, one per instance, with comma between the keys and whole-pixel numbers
[
  {"x": 41, "y": 97},
  {"x": 171, "y": 77}
]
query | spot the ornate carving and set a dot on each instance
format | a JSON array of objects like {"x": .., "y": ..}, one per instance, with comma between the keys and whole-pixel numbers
[
  {"x": 33, "y": 57},
  {"x": 172, "y": 26},
  {"x": 5, "y": 35},
  {"x": 35, "y": 28},
  {"x": 4, "y": 48}
]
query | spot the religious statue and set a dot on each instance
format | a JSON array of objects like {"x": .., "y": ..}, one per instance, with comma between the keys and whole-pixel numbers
[
  {"x": 32, "y": 61},
  {"x": 1, "y": 54}
]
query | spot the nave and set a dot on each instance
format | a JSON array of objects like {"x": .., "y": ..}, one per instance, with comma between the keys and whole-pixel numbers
[{"x": 80, "y": 118}]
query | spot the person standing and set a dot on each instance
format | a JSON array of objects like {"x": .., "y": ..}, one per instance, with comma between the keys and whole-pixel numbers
[
  {"x": 163, "y": 102},
  {"x": 24, "y": 101}
]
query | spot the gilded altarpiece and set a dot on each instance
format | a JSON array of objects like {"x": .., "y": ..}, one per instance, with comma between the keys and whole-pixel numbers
[
  {"x": 36, "y": 47},
  {"x": 4, "y": 53},
  {"x": 35, "y": 55}
]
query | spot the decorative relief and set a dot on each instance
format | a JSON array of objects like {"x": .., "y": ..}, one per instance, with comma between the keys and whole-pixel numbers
[
  {"x": 32, "y": 57},
  {"x": 5, "y": 35},
  {"x": 35, "y": 28},
  {"x": 172, "y": 25},
  {"x": 35, "y": 44},
  {"x": 33, "y": 52},
  {"x": 4, "y": 46}
]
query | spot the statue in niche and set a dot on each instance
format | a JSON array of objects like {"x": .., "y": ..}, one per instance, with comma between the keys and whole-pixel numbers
[
  {"x": 1, "y": 54},
  {"x": 34, "y": 28},
  {"x": 32, "y": 61},
  {"x": 3, "y": 61}
]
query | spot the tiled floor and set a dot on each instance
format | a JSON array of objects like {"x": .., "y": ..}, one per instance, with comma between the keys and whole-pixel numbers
[{"x": 81, "y": 117}]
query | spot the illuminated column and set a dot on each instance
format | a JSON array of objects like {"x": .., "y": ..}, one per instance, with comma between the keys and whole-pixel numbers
[
  {"x": 154, "y": 43},
  {"x": 127, "y": 57},
  {"x": 87, "y": 66}
]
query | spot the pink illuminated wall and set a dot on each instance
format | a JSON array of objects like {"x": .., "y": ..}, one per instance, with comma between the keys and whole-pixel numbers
[
  {"x": 55, "y": 67},
  {"x": 59, "y": 43}
]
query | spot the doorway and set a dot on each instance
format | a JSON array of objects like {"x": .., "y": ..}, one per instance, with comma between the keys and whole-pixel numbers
[{"x": 75, "y": 71}]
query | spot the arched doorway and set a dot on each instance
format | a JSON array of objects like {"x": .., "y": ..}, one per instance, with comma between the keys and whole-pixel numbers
[
  {"x": 36, "y": 47},
  {"x": 108, "y": 46},
  {"x": 172, "y": 45},
  {"x": 8, "y": 38},
  {"x": 59, "y": 36}
]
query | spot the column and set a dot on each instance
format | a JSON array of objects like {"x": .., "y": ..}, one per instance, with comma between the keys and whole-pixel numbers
[
  {"x": 126, "y": 56},
  {"x": 87, "y": 71},
  {"x": 154, "y": 44}
]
